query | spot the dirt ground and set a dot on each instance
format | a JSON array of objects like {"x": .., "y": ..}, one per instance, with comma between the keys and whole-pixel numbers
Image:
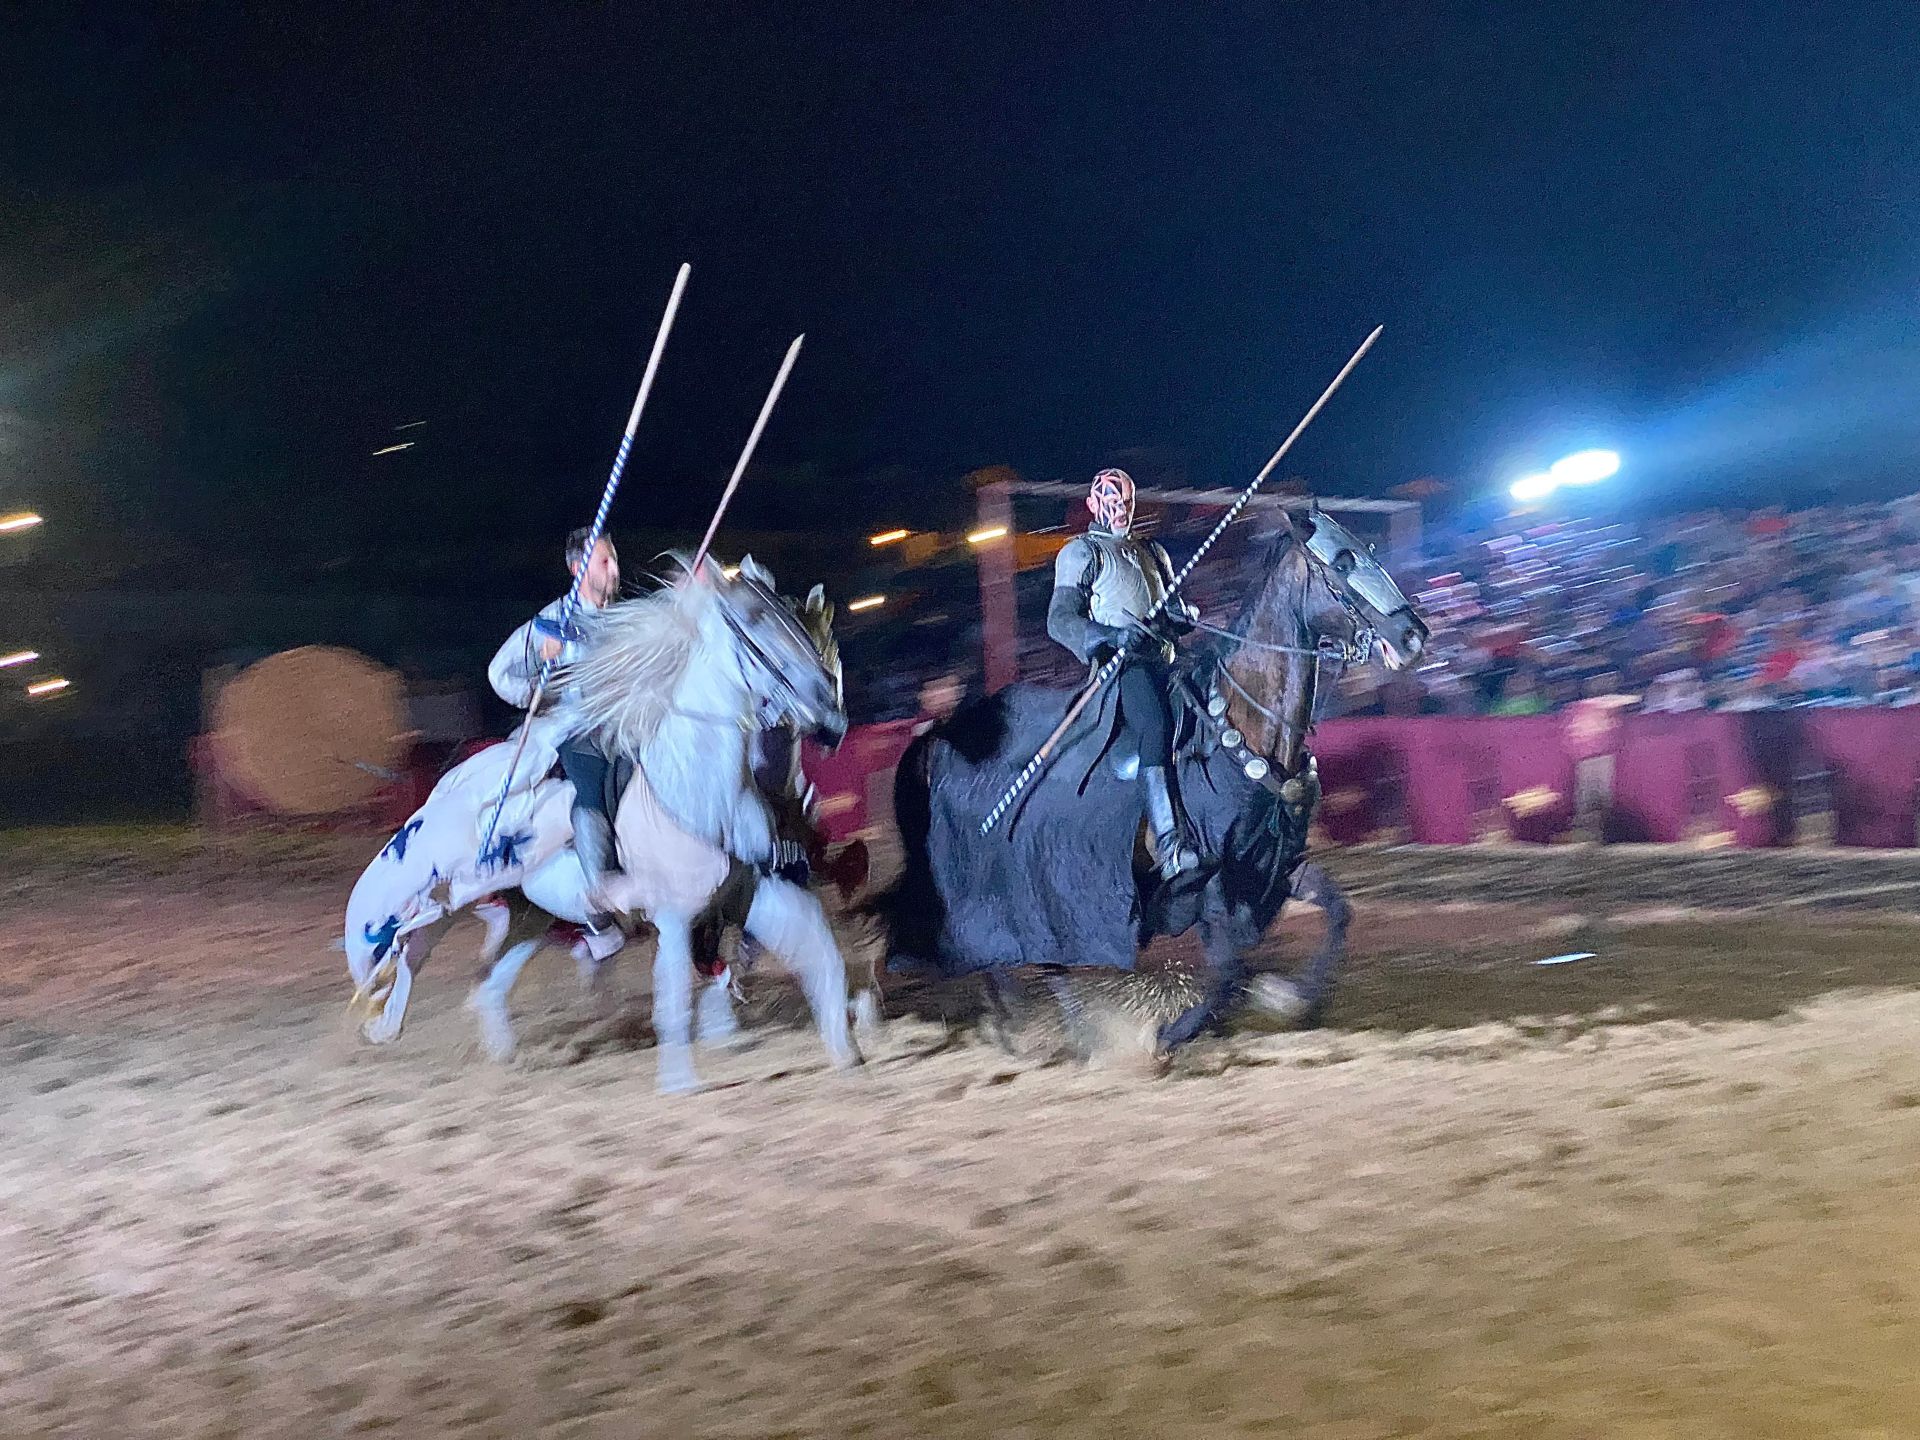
[{"x": 1669, "y": 1191}]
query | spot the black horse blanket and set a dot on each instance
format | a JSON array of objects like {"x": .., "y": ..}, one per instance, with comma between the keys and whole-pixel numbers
[{"x": 1064, "y": 878}]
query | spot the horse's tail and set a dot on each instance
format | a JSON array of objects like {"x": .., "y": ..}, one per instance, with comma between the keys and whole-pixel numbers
[
  {"x": 911, "y": 902},
  {"x": 913, "y": 796}
]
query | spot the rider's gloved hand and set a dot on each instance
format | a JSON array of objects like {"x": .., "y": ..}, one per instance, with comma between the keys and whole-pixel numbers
[
  {"x": 1112, "y": 640},
  {"x": 1164, "y": 629},
  {"x": 1179, "y": 618}
]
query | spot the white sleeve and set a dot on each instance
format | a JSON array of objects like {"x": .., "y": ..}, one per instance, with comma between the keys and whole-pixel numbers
[{"x": 516, "y": 668}]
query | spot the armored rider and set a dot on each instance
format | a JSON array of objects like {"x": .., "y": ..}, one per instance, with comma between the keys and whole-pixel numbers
[
  {"x": 514, "y": 674},
  {"x": 1105, "y": 583}
]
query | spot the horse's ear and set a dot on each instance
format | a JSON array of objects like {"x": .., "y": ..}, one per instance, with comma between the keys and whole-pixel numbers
[
  {"x": 754, "y": 570},
  {"x": 817, "y": 598}
]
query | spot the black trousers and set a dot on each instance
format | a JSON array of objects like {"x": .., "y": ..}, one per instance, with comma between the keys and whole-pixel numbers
[
  {"x": 591, "y": 774},
  {"x": 1145, "y": 710}
]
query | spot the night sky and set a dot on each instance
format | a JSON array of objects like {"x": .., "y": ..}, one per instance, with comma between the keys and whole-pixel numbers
[{"x": 243, "y": 244}]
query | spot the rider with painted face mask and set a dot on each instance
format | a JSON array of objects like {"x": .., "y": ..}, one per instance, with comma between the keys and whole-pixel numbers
[
  {"x": 514, "y": 674},
  {"x": 1105, "y": 583}
]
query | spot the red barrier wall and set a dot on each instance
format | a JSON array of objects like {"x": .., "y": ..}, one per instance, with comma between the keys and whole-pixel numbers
[{"x": 1740, "y": 779}]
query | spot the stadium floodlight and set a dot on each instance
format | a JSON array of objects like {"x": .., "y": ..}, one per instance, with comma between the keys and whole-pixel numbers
[
  {"x": 1589, "y": 467},
  {"x": 1531, "y": 489}
]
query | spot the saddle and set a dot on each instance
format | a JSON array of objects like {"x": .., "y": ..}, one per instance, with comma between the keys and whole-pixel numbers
[
  {"x": 1187, "y": 704},
  {"x": 1198, "y": 705}
]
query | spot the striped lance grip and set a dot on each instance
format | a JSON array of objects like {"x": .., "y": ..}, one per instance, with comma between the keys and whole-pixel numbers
[
  {"x": 1106, "y": 671},
  {"x": 572, "y": 605}
]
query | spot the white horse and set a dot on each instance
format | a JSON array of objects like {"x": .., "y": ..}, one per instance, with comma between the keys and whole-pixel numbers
[
  {"x": 674, "y": 682},
  {"x": 407, "y": 897}
]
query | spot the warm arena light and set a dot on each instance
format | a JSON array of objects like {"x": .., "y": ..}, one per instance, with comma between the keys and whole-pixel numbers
[
  {"x": 1533, "y": 488},
  {"x": 992, "y": 532},
  {"x": 47, "y": 687},
  {"x": 25, "y": 520},
  {"x": 1589, "y": 467},
  {"x": 389, "y": 449},
  {"x": 868, "y": 602},
  {"x": 19, "y": 657},
  {"x": 887, "y": 537}
]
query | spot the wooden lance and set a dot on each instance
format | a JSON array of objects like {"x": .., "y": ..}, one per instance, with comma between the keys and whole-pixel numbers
[{"x": 572, "y": 604}]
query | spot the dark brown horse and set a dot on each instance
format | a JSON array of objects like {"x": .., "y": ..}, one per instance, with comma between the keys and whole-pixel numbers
[{"x": 1064, "y": 881}]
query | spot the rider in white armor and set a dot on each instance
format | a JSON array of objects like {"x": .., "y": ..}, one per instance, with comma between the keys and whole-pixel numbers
[
  {"x": 514, "y": 674},
  {"x": 1105, "y": 583}
]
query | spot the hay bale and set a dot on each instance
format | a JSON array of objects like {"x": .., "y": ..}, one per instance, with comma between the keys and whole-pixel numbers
[{"x": 312, "y": 731}]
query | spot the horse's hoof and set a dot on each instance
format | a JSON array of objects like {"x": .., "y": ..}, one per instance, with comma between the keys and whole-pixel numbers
[
  {"x": 865, "y": 1012},
  {"x": 1278, "y": 999},
  {"x": 998, "y": 1036},
  {"x": 380, "y": 1031},
  {"x": 496, "y": 1031},
  {"x": 715, "y": 1026},
  {"x": 675, "y": 1074}
]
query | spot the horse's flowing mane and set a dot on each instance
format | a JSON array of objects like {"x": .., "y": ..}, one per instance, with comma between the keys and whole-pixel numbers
[{"x": 632, "y": 660}]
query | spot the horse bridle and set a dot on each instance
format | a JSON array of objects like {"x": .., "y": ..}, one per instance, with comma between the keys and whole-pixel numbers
[
  {"x": 1341, "y": 653},
  {"x": 789, "y": 702}
]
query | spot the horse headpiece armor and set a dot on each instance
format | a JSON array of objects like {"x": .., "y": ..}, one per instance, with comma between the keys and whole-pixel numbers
[
  {"x": 1335, "y": 547},
  {"x": 749, "y": 599}
]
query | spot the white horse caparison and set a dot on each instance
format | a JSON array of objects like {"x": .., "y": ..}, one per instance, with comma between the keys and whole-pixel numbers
[
  {"x": 427, "y": 873},
  {"x": 674, "y": 682}
]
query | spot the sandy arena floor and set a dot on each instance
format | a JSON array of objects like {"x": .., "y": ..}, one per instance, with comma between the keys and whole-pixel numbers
[{"x": 1671, "y": 1191}]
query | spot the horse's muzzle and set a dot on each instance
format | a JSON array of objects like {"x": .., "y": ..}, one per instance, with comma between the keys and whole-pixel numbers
[
  {"x": 829, "y": 731},
  {"x": 1403, "y": 639}
]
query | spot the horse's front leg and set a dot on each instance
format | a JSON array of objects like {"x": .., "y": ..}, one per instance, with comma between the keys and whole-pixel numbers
[
  {"x": 1304, "y": 999},
  {"x": 497, "y": 915},
  {"x": 1224, "y": 939},
  {"x": 715, "y": 1024},
  {"x": 999, "y": 1019},
  {"x": 488, "y": 999},
  {"x": 792, "y": 923},
  {"x": 384, "y": 1028},
  {"x": 673, "y": 1005},
  {"x": 1073, "y": 1012},
  {"x": 408, "y": 955}
]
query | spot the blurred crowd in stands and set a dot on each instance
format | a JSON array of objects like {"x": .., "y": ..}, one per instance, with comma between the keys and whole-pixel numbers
[{"x": 1706, "y": 611}]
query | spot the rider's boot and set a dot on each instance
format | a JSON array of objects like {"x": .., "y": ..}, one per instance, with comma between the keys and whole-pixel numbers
[
  {"x": 602, "y": 938},
  {"x": 1167, "y": 822},
  {"x": 599, "y": 860}
]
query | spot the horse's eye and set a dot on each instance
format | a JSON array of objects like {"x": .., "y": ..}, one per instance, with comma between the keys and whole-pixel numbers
[{"x": 1344, "y": 562}]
